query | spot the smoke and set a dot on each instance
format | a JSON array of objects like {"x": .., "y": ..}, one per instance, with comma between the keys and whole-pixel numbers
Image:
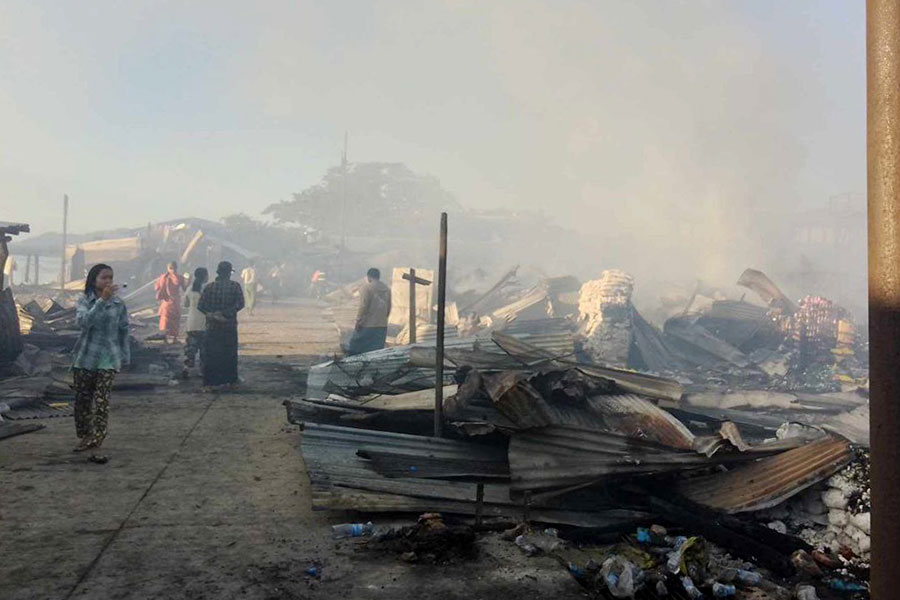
[{"x": 677, "y": 138}]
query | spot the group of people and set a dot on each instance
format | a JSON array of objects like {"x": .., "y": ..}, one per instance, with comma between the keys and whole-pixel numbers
[
  {"x": 103, "y": 346},
  {"x": 211, "y": 317}
]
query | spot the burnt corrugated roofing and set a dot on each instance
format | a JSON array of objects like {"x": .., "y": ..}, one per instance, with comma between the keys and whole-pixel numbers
[{"x": 770, "y": 481}]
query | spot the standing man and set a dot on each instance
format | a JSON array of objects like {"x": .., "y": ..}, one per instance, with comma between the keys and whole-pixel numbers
[
  {"x": 220, "y": 301},
  {"x": 371, "y": 320},
  {"x": 276, "y": 277},
  {"x": 248, "y": 276}
]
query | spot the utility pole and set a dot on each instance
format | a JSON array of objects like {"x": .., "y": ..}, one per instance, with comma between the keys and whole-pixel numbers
[
  {"x": 62, "y": 257},
  {"x": 883, "y": 154},
  {"x": 340, "y": 273}
]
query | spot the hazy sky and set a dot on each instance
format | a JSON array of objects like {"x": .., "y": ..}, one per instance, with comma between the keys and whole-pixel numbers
[{"x": 601, "y": 111}]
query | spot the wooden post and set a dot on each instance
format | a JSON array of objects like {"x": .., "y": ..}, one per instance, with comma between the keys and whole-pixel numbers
[
  {"x": 4, "y": 256},
  {"x": 413, "y": 282},
  {"x": 62, "y": 264},
  {"x": 37, "y": 269},
  {"x": 412, "y": 306},
  {"x": 439, "y": 346},
  {"x": 27, "y": 269}
]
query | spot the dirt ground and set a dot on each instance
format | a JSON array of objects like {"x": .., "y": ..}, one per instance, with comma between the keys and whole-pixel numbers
[{"x": 206, "y": 496}]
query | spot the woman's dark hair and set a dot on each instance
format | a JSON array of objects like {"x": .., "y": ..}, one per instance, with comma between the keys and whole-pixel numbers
[
  {"x": 90, "y": 283},
  {"x": 201, "y": 276}
]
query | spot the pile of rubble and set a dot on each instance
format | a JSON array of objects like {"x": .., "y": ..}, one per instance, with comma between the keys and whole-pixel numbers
[{"x": 534, "y": 435}]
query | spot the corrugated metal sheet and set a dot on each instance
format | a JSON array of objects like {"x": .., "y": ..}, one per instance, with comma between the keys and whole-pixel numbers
[
  {"x": 769, "y": 481},
  {"x": 341, "y": 480},
  {"x": 39, "y": 409},
  {"x": 8, "y": 430},
  {"x": 688, "y": 330},
  {"x": 409, "y": 368},
  {"x": 537, "y": 299},
  {"x": 562, "y": 457},
  {"x": 517, "y": 399},
  {"x": 737, "y": 310},
  {"x": 630, "y": 381}
]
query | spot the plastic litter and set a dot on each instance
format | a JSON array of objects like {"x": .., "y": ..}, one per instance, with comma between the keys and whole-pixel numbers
[
  {"x": 576, "y": 571},
  {"x": 721, "y": 590},
  {"x": 806, "y": 592},
  {"x": 312, "y": 571},
  {"x": 846, "y": 586},
  {"x": 529, "y": 548},
  {"x": 622, "y": 577},
  {"x": 748, "y": 577},
  {"x": 690, "y": 588},
  {"x": 348, "y": 530}
]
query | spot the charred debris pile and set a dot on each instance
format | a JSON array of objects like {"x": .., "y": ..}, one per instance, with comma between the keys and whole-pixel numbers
[{"x": 723, "y": 454}]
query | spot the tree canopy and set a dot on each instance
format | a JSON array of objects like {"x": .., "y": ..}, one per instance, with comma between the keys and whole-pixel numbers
[{"x": 379, "y": 198}]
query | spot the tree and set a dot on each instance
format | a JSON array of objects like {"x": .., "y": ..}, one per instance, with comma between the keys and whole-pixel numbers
[
  {"x": 379, "y": 198},
  {"x": 267, "y": 239}
]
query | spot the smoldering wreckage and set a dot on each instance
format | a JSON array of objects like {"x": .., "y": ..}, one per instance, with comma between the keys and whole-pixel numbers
[{"x": 723, "y": 454}]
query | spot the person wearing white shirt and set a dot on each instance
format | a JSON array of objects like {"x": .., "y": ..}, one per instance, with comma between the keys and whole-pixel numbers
[{"x": 196, "y": 321}]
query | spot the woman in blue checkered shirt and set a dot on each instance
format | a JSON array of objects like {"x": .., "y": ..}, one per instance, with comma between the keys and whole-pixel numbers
[{"x": 101, "y": 350}]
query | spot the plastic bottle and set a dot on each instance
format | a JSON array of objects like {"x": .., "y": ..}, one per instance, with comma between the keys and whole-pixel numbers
[
  {"x": 612, "y": 580},
  {"x": 846, "y": 586},
  {"x": 807, "y": 592},
  {"x": 690, "y": 588},
  {"x": 674, "y": 562},
  {"x": 576, "y": 571},
  {"x": 643, "y": 535},
  {"x": 720, "y": 590},
  {"x": 348, "y": 530},
  {"x": 748, "y": 577},
  {"x": 529, "y": 548}
]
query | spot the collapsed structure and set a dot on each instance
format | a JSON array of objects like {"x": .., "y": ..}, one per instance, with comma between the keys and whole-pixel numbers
[{"x": 585, "y": 416}]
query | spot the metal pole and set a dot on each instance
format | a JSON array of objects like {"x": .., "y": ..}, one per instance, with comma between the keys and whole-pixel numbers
[
  {"x": 883, "y": 145},
  {"x": 412, "y": 306},
  {"x": 439, "y": 347},
  {"x": 37, "y": 269},
  {"x": 62, "y": 262}
]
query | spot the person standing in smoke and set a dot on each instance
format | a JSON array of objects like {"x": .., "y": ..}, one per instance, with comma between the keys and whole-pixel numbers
[
  {"x": 101, "y": 350},
  {"x": 196, "y": 321},
  {"x": 221, "y": 301},
  {"x": 168, "y": 292},
  {"x": 248, "y": 276},
  {"x": 372, "y": 318}
]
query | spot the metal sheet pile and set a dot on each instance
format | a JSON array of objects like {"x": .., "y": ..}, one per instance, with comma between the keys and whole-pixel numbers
[{"x": 544, "y": 435}]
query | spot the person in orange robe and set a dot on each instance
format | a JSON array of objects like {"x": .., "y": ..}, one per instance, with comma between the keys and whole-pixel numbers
[{"x": 168, "y": 292}]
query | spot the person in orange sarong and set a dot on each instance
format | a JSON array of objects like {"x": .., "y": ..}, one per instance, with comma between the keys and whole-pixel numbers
[{"x": 168, "y": 292}]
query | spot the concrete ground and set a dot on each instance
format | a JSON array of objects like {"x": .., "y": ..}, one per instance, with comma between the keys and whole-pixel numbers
[{"x": 206, "y": 496}]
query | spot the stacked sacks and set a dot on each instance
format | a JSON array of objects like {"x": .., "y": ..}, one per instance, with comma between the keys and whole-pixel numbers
[
  {"x": 606, "y": 316},
  {"x": 835, "y": 514}
]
